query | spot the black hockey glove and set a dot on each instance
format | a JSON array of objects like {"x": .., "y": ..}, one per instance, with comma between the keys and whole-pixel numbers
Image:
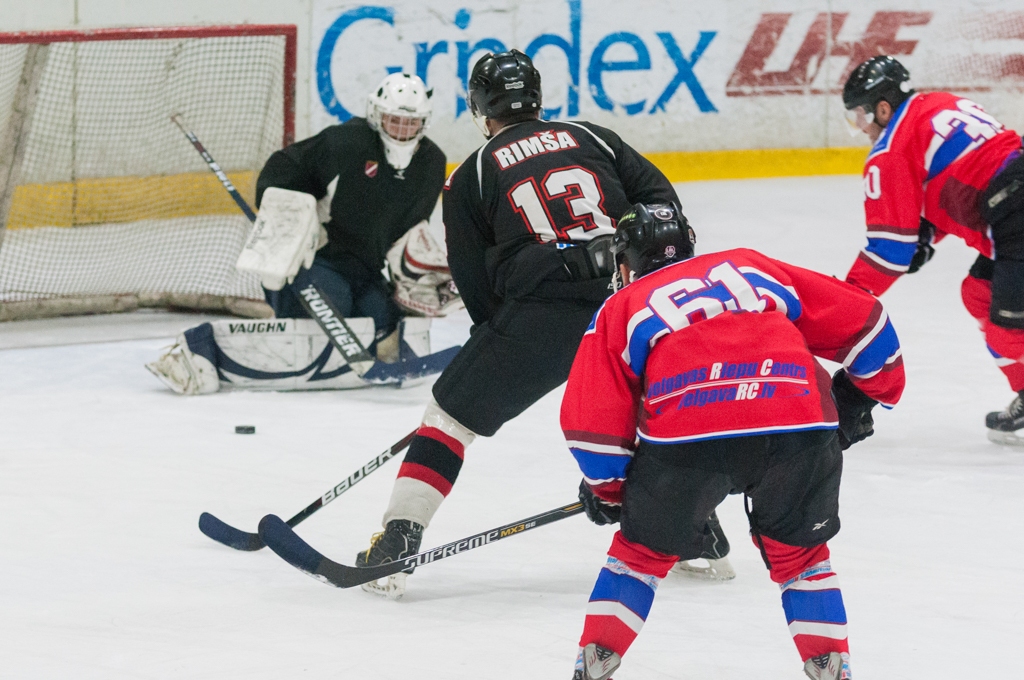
[
  {"x": 855, "y": 421},
  {"x": 924, "y": 251},
  {"x": 598, "y": 511}
]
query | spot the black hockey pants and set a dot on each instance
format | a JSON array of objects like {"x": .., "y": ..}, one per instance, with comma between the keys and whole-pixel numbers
[{"x": 521, "y": 354}]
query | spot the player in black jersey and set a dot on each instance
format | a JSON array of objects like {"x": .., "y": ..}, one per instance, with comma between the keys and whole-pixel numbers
[
  {"x": 378, "y": 177},
  {"x": 524, "y": 216}
]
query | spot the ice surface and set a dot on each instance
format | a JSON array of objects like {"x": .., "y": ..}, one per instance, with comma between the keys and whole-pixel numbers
[{"x": 103, "y": 475}]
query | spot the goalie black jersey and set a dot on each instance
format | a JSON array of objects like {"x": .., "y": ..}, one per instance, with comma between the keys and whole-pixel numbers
[
  {"x": 372, "y": 205},
  {"x": 531, "y": 191}
]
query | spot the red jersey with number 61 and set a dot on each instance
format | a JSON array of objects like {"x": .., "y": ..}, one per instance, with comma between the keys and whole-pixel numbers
[
  {"x": 934, "y": 159},
  {"x": 721, "y": 345}
]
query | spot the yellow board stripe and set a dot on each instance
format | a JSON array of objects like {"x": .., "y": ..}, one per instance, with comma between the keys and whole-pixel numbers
[
  {"x": 126, "y": 199},
  {"x": 694, "y": 166},
  {"x": 129, "y": 199},
  {"x": 691, "y": 166}
]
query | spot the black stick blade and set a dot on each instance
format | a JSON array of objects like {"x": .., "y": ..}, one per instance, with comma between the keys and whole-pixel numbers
[
  {"x": 280, "y": 538},
  {"x": 228, "y": 535},
  {"x": 296, "y": 552}
]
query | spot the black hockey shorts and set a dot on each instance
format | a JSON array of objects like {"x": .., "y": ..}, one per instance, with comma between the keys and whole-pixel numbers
[
  {"x": 1002, "y": 207},
  {"x": 792, "y": 480},
  {"x": 521, "y": 354}
]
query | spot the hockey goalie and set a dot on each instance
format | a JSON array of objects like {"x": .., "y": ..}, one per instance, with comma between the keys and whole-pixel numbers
[
  {"x": 336, "y": 211},
  {"x": 295, "y": 354}
]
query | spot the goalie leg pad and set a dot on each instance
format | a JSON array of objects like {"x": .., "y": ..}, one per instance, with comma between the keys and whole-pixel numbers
[
  {"x": 416, "y": 336},
  {"x": 285, "y": 354},
  {"x": 273, "y": 354},
  {"x": 189, "y": 366}
]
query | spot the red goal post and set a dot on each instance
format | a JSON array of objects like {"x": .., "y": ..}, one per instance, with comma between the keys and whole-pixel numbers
[{"x": 104, "y": 205}]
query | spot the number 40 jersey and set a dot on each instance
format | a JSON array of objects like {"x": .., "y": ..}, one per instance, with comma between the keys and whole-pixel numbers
[
  {"x": 933, "y": 160},
  {"x": 721, "y": 345},
  {"x": 535, "y": 188}
]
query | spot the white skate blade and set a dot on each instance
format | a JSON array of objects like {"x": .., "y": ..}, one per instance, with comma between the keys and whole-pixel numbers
[
  {"x": 717, "y": 570},
  {"x": 392, "y": 587},
  {"x": 1005, "y": 438}
]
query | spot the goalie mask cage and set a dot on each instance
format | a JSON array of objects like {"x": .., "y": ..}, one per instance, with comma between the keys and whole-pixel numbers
[{"x": 104, "y": 204}]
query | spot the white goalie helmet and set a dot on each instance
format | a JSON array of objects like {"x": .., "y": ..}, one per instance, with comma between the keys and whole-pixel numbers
[{"x": 399, "y": 110}]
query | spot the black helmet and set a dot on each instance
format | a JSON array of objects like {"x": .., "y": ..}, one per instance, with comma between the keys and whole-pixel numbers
[
  {"x": 649, "y": 237},
  {"x": 504, "y": 86},
  {"x": 876, "y": 79}
]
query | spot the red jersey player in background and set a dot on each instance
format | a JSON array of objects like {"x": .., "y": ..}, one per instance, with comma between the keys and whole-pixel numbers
[
  {"x": 698, "y": 380},
  {"x": 941, "y": 165}
]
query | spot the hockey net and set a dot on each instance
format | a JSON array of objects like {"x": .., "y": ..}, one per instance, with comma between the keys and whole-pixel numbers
[{"x": 104, "y": 204}]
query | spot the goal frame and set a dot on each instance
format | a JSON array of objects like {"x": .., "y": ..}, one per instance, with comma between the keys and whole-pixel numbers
[{"x": 51, "y": 307}]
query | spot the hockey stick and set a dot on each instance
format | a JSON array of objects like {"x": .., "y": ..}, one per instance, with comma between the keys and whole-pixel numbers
[
  {"x": 316, "y": 304},
  {"x": 214, "y": 166},
  {"x": 296, "y": 552},
  {"x": 243, "y": 540}
]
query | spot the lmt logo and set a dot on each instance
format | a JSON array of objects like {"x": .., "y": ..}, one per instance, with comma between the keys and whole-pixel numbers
[{"x": 749, "y": 78}]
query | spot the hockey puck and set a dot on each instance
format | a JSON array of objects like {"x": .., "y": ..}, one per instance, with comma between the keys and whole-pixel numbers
[{"x": 245, "y": 429}]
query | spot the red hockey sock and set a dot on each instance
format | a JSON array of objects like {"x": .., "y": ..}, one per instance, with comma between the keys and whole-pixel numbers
[
  {"x": 810, "y": 597},
  {"x": 623, "y": 594}
]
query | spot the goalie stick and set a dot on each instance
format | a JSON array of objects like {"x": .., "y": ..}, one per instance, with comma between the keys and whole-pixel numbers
[
  {"x": 243, "y": 540},
  {"x": 322, "y": 310},
  {"x": 278, "y": 535}
]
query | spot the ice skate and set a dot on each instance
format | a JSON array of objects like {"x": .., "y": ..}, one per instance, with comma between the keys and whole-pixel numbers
[
  {"x": 400, "y": 539},
  {"x": 716, "y": 547},
  {"x": 706, "y": 569},
  {"x": 831, "y": 666},
  {"x": 596, "y": 663},
  {"x": 1004, "y": 427}
]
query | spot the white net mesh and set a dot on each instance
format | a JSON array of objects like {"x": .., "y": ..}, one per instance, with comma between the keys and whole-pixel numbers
[{"x": 105, "y": 196}]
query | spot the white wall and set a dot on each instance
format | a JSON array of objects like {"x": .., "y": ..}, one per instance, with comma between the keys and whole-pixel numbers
[
  {"x": 670, "y": 75},
  {"x": 768, "y": 76}
]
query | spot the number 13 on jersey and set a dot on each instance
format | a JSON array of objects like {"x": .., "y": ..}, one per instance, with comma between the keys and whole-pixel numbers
[{"x": 581, "y": 193}]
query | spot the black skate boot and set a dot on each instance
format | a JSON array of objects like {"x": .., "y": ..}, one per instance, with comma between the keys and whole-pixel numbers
[
  {"x": 1003, "y": 426},
  {"x": 596, "y": 663},
  {"x": 715, "y": 549},
  {"x": 400, "y": 539}
]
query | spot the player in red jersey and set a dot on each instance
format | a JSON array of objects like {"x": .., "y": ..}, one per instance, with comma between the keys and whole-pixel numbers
[
  {"x": 941, "y": 165},
  {"x": 698, "y": 380}
]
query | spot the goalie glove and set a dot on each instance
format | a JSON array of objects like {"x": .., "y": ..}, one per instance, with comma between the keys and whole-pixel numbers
[
  {"x": 854, "y": 407},
  {"x": 284, "y": 238},
  {"x": 419, "y": 271},
  {"x": 598, "y": 510}
]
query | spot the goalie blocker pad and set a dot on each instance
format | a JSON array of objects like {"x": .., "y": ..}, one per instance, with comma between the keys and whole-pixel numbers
[
  {"x": 419, "y": 271},
  {"x": 270, "y": 354},
  {"x": 284, "y": 238}
]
